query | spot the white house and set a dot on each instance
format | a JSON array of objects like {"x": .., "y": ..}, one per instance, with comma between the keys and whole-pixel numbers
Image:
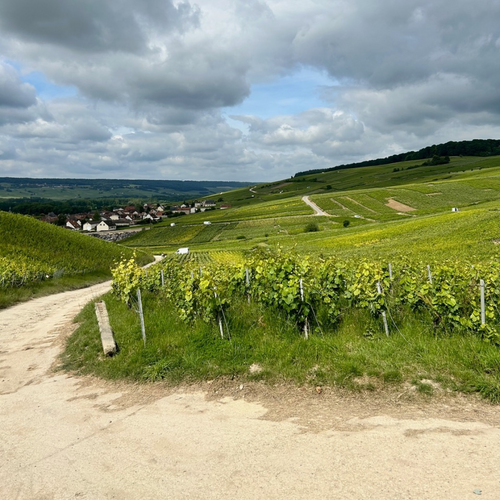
[
  {"x": 182, "y": 251},
  {"x": 105, "y": 226},
  {"x": 89, "y": 226}
]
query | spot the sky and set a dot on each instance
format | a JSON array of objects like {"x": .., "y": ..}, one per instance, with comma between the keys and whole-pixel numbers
[{"x": 242, "y": 90}]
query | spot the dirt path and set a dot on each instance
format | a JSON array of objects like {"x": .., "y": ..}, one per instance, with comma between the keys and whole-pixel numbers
[
  {"x": 317, "y": 210},
  {"x": 400, "y": 207},
  {"x": 64, "y": 437}
]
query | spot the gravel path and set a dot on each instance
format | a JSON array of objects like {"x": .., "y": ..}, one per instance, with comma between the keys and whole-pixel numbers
[
  {"x": 317, "y": 210},
  {"x": 65, "y": 437}
]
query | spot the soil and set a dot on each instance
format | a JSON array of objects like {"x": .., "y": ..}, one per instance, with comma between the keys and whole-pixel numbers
[
  {"x": 64, "y": 436},
  {"x": 400, "y": 207}
]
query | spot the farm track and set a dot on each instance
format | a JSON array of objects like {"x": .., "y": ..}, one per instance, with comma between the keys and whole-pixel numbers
[
  {"x": 65, "y": 436},
  {"x": 317, "y": 210}
]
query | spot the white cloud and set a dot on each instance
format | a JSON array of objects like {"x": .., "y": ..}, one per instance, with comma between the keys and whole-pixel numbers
[{"x": 152, "y": 78}]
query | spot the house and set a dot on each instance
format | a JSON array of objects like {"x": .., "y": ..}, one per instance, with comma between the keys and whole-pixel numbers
[
  {"x": 90, "y": 226},
  {"x": 454, "y": 210},
  {"x": 72, "y": 225},
  {"x": 183, "y": 210},
  {"x": 122, "y": 223},
  {"x": 209, "y": 203},
  {"x": 182, "y": 251},
  {"x": 225, "y": 206},
  {"x": 105, "y": 226}
]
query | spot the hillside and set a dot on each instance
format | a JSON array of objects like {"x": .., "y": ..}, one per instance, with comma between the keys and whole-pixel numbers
[
  {"x": 382, "y": 292},
  {"x": 33, "y": 253},
  {"x": 72, "y": 189},
  {"x": 381, "y": 220},
  {"x": 357, "y": 178}
]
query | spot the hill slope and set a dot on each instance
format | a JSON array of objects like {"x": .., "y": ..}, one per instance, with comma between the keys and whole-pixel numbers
[{"x": 33, "y": 251}]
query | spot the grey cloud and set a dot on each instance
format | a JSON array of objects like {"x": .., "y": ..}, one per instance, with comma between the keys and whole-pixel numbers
[
  {"x": 390, "y": 43},
  {"x": 13, "y": 92},
  {"x": 92, "y": 25},
  {"x": 308, "y": 129}
]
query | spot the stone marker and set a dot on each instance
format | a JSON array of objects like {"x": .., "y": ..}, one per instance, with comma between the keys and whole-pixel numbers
[{"x": 107, "y": 339}]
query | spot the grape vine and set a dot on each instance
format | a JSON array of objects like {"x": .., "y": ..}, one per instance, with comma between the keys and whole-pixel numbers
[{"x": 272, "y": 278}]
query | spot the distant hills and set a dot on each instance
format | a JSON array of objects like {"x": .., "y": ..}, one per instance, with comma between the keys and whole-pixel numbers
[
  {"x": 475, "y": 147},
  {"x": 104, "y": 188}
]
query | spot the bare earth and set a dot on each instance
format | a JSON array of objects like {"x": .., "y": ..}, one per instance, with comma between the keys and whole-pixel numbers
[
  {"x": 400, "y": 207},
  {"x": 65, "y": 437}
]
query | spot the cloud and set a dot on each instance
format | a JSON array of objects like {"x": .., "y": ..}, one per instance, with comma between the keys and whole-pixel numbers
[
  {"x": 92, "y": 26},
  {"x": 13, "y": 92},
  {"x": 155, "y": 79}
]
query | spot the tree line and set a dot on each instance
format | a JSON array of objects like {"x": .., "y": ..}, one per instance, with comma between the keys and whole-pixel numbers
[{"x": 476, "y": 147}]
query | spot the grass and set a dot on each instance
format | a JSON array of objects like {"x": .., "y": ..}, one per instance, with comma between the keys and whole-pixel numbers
[{"x": 355, "y": 355}]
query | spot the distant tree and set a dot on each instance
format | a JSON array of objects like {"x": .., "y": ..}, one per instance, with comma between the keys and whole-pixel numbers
[
  {"x": 96, "y": 217},
  {"x": 312, "y": 227},
  {"x": 61, "y": 220},
  {"x": 345, "y": 223}
]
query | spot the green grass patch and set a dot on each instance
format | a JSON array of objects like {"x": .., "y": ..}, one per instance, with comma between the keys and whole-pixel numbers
[{"x": 355, "y": 355}]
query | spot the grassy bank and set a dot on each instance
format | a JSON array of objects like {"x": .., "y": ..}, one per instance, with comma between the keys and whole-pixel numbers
[
  {"x": 264, "y": 345},
  {"x": 11, "y": 296},
  {"x": 40, "y": 259}
]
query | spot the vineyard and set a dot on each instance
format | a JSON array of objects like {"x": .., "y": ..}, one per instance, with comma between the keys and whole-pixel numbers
[
  {"x": 317, "y": 294},
  {"x": 397, "y": 296},
  {"x": 33, "y": 251}
]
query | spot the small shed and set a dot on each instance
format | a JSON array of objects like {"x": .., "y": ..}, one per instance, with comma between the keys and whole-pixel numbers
[
  {"x": 182, "y": 251},
  {"x": 455, "y": 210}
]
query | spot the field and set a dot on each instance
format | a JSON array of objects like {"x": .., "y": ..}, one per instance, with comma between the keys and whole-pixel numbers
[
  {"x": 420, "y": 223},
  {"x": 33, "y": 255}
]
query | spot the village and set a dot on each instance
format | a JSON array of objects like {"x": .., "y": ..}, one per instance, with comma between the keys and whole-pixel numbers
[{"x": 119, "y": 218}]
